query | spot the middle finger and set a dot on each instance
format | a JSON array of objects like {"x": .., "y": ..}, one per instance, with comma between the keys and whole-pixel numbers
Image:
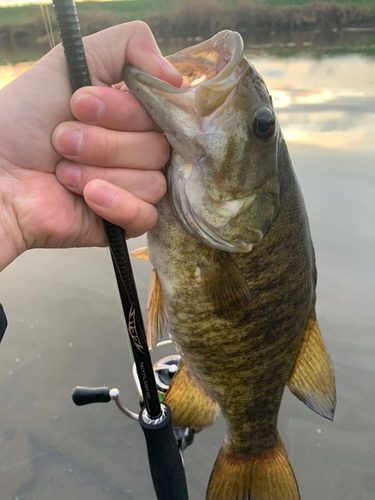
[{"x": 98, "y": 146}]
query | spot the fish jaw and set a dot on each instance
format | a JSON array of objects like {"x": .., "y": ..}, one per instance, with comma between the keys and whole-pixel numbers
[{"x": 222, "y": 180}]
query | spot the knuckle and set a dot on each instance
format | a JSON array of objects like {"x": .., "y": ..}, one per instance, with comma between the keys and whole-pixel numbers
[
  {"x": 159, "y": 150},
  {"x": 141, "y": 26},
  {"x": 158, "y": 186},
  {"x": 141, "y": 216},
  {"x": 150, "y": 219},
  {"x": 133, "y": 213},
  {"x": 129, "y": 111},
  {"x": 107, "y": 149}
]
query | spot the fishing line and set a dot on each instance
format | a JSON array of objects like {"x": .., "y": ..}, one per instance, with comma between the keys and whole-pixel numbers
[
  {"x": 51, "y": 41},
  {"x": 47, "y": 23}
]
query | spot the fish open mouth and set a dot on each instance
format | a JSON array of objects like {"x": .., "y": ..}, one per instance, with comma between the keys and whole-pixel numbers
[
  {"x": 208, "y": 71},
  {"x": 195, "y": 118}
]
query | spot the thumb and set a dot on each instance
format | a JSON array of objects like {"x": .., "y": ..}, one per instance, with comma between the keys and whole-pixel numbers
[{"x": 130, "y": 43}]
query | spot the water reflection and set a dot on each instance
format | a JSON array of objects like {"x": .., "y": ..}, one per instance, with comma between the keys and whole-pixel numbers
[
  {"x": 10, "y": 71},
  {"x": 65, "y": 328},
  {"x": 328, "y": 102}
]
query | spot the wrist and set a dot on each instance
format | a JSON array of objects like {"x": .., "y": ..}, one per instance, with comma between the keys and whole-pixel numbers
[
  {"x": 12, "y": 243},
  {"x": 10, "y": 249}
]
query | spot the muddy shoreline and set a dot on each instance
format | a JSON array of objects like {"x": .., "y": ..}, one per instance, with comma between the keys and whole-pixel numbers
[{"x": 256, "y": 24}]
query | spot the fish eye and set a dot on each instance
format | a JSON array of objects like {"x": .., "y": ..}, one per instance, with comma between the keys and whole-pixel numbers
[{"x": 264, "y": 124}]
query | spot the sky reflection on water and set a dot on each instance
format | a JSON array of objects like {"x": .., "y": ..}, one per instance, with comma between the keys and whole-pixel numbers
[
  {"x": 327, "y": 102},
  {"x": 10, "y": 71}
]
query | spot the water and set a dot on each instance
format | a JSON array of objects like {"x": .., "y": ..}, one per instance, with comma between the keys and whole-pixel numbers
[{"x": 66, "y": 330}]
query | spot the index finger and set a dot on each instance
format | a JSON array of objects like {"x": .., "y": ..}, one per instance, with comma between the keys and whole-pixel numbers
[{"x": 112, "y": 109}]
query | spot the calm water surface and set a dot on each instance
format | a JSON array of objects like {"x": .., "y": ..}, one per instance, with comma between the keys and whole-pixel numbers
[{"x": 66, "y": 330}]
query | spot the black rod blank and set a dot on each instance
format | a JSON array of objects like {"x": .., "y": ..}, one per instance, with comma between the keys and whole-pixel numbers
[
  {"x": 70, "y": 34},
  {"x": 165, "y": 460}
]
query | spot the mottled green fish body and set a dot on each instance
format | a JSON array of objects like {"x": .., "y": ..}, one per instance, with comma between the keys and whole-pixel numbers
[{"x": 234, "y": 271}]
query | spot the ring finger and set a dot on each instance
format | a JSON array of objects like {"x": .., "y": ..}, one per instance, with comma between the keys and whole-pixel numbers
[{"x": 148, "y": 185}]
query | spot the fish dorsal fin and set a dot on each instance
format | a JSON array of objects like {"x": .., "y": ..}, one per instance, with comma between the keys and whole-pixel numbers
[
  {"x": 189, "y": 403},
  {"x": 225, "y": 285},
  {"x": 140, "y": 253},
  {"x": 155, "y": 312},
  {"x": 312, "y": 379}
]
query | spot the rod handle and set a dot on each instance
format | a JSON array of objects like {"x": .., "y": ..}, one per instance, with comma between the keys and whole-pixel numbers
[
  {"x": 164, "y": 457},
  {"x": 87, "y": 395}
]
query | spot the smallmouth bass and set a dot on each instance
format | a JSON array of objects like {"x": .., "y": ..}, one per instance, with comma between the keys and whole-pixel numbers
[{"x": 234, "y": 275}]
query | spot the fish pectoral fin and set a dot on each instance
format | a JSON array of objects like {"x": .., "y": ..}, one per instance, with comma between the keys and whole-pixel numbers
[
  {"x": 189, "y": 403},
  {"x": 225, "y": 285},
  {"x": 140, "y": 253},
  {"x": 312, "y": 379},
  {"x": 268, "y": 476},
  {"x": 155, "y": 312}
]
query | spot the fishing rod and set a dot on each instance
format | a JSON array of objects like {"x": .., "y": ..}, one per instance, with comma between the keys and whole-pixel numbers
[{"x": 165, "y": 460}]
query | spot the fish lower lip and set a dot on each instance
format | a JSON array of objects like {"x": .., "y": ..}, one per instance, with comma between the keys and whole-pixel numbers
[{"x": 131, "y": 73}]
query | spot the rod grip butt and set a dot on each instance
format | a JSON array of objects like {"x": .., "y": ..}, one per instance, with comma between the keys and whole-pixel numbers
[{"x": 165, "y": 460}]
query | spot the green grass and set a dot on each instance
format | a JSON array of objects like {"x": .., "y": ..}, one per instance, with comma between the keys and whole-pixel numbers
[
  {"x": 19, "y": 15},
  {"x": 135, "y": 9},
  {"x": 234, "y": 4},
  {"x": 139, "y": 9}
]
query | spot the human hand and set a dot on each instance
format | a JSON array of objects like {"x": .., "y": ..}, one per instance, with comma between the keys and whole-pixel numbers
[{"x": 121, "y": 149}]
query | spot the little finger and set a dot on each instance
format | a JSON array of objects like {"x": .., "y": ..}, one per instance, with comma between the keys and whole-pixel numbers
[{"x": 120, "y": 207}]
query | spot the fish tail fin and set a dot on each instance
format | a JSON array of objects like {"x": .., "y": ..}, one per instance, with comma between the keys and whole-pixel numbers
[{"x": 268, "y": 476}]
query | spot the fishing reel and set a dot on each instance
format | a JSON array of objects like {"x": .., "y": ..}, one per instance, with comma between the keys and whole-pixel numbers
[{"x": 164, "y": 370}]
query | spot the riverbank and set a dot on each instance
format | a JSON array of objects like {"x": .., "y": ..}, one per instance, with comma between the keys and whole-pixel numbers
[{"x": 191, "y": 21}]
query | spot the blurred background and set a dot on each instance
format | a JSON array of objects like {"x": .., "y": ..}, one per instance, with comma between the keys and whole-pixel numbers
[{"x": 65, "y": 325}]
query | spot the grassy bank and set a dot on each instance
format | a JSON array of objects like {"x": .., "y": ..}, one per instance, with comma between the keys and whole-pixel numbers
[
  {"x": 171, "y": 20},
  {"x": 141, "y": 9}
]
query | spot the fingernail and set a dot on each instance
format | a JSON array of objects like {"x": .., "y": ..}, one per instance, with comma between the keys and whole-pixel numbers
[
  {"x": 69, "y": 174},
  {"x": 171, "y": 71},
  {"x": 93, "y": 109},
  {"x": 101, "y": 195},
  {"x": 68, "y": 141}
]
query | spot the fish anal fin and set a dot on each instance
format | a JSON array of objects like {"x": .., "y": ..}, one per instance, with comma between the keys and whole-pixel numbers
[
  {"x": 268, "y": 476},
  {"x": 189, "y": 403},
  {"x": 140, "y": 253},
  {"x": 225, "y": 285},
  {"x": 312, "y": 379},
  {"x": 155, "y": 313}
]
